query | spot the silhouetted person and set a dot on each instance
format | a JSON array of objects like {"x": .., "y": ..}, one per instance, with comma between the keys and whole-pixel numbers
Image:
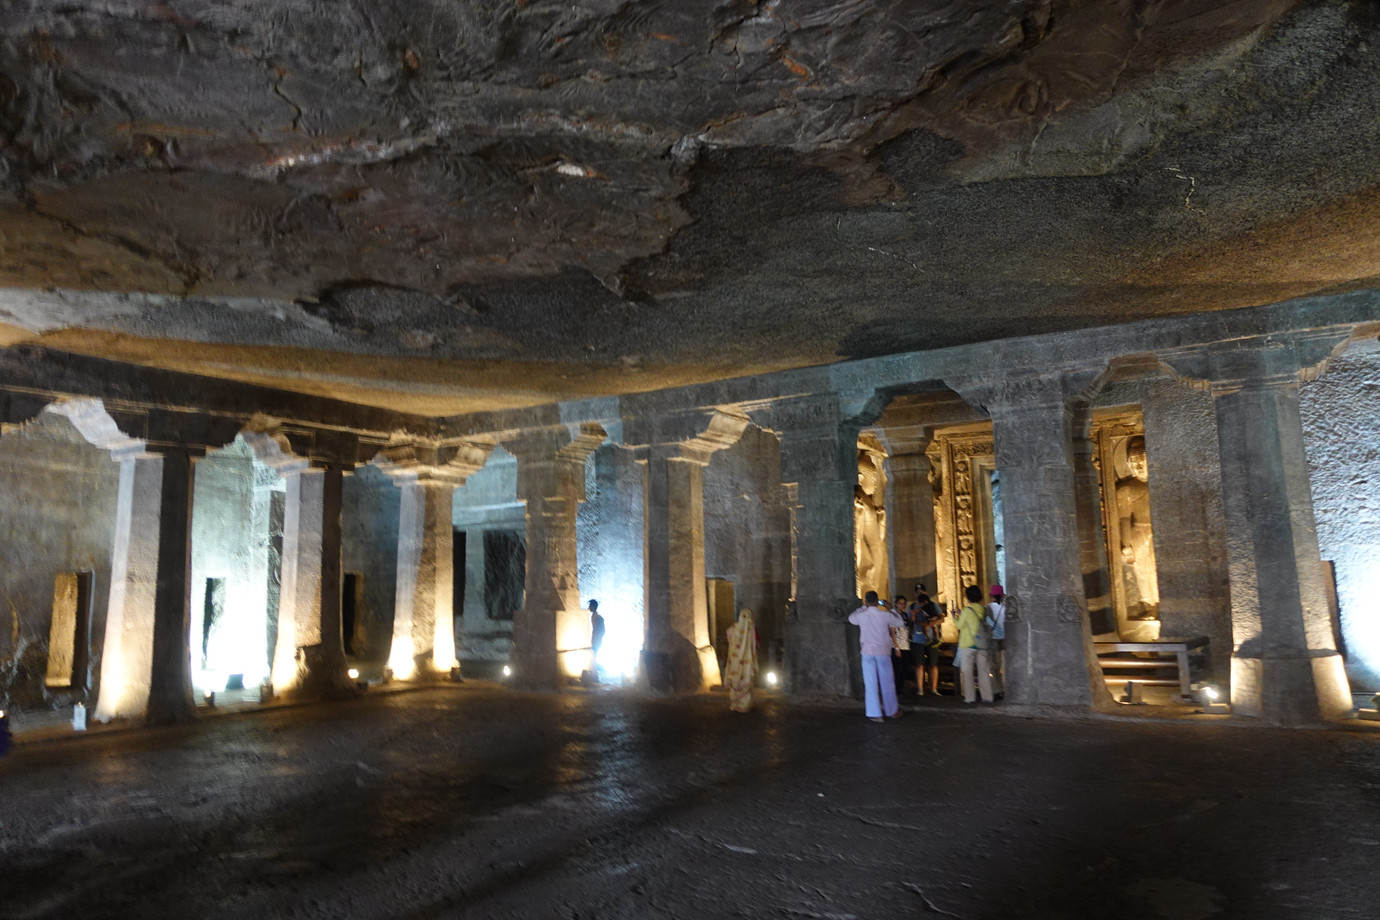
[{"x": 596, "y": 639}]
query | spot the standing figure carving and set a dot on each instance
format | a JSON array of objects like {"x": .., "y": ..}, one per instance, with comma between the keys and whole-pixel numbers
[
  {"x": 869, "y": 525},
  {"x": 1137, "y": 544}
]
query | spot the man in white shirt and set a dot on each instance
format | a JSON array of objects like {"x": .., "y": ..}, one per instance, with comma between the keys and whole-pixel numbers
[{"x": 875, "y": 626}]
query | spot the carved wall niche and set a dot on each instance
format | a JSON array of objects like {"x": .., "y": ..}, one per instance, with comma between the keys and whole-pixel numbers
[
  {"x": 1119, "y": 436},
  {"x": 962, "y": 460}
]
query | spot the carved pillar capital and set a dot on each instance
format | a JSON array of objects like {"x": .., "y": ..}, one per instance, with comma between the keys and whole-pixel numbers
[
  {"x": 293, "y": 448},
  {"x": 432, "y": 462},
  {"x": 551, "y": 461},
  {"x": 1267, "y": 361}
]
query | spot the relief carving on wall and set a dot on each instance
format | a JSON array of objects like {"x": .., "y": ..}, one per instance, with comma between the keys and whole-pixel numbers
[
  {"x": 959, "y": 460},
  {"x": 869, "y": 519},
  {"x": 1124, "y": 475}
]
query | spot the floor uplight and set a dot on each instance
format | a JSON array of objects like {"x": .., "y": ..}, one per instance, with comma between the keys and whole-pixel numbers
[{"x": 1212, "y": 701}]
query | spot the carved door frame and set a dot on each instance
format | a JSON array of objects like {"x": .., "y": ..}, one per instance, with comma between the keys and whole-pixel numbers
[{"x": 962, "y": 459}]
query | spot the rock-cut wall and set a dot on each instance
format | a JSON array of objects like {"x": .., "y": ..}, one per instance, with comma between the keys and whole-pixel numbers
[
  {"x": 58, "y": 517},
  {"x": 1341, "y": 419}
]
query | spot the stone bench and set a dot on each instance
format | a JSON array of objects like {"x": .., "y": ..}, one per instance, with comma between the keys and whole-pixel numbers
[{"x": 1163, "y": 654}]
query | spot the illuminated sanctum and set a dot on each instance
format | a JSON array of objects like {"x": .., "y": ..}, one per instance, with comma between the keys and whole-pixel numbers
[{"x": 381, "y": 338}]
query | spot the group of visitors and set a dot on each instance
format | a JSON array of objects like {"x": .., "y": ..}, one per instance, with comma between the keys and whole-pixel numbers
[
  {"x": 905, "y": 638},
  {"x": 896, "y": 641}
]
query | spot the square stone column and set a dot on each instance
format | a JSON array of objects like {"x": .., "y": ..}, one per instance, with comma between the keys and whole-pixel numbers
[
  {"x": 310, "y": 657},
  {"x": 424, "y": 612},
  {"x": 146, "y": 662},
  {"x": 551, "y": 633},
  {"x": 1092, "y": 534},
  {"x": 1285, "y": 665},
  {"x": 678, "y": 653},
  {"x": 1049, "y": 654},
  {"x": 819, "y": 466},
  {"x": 428, "y": 473},
  {"x": 910, "y": 518}
]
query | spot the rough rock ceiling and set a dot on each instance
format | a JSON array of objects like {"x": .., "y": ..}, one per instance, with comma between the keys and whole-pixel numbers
[{"x": 440, "y": 205}]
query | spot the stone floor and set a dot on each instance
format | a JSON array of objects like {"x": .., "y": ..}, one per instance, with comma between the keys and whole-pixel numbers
[{"x": 472, "y": 801}]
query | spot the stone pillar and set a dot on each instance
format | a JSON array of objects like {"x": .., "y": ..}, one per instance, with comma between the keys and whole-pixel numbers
[
  {"x": 424, "y": 612},
  {"x": 910, "y": 515},
  {"x": 551, "y": 633},
  {"x": 1189, "y": 524},
  {"x": 170, "y": 690},
  {"x": 262, "y": 561},
  {"x": 428, "y": 473},
  {"x": 1092, "y": 537},
  {"x": 819, "y": 465},
  {"x": 1049, "y": 655},
  {"x": 310, "y": 657},
  {"x": 679, "y": 655},
  {"x": 146, "y": 662},
  {"x": 1285, "y": 664}
]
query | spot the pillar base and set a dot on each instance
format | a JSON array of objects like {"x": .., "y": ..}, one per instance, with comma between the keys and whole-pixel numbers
[
  {"x": 574, "y": 662},
  {"x": 1291, "y": 691},
  {"x": 684, "y": 669},
  {"x": 821, "y": 658},
  {"x": 709, "y": 667},
  {"x": 322, "y": 676}
]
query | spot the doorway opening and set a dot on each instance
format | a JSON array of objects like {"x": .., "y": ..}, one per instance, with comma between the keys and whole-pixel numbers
[
  {"x": 457, "y": 573},
  {"x": 69, "y": 636},
  {"x": 505, "y": 573},
  {"x": 351, "y": 592}
]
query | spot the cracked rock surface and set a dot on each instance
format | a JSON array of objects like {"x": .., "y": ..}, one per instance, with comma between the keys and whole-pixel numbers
[
  {"x": 618, "y": 195},
  {"x": 479, "y": 803}
]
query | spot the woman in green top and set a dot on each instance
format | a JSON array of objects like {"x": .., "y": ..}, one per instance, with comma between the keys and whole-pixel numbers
[{"x": 971, "y": 658}]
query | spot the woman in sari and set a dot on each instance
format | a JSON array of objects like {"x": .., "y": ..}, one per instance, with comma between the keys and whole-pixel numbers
[{"x": 741, "y": 672}]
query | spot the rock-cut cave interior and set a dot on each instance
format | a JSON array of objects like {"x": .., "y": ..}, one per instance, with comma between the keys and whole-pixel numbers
[
  {"x": 380, "y": 336},
  {"x": 360, "y": 343}
]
